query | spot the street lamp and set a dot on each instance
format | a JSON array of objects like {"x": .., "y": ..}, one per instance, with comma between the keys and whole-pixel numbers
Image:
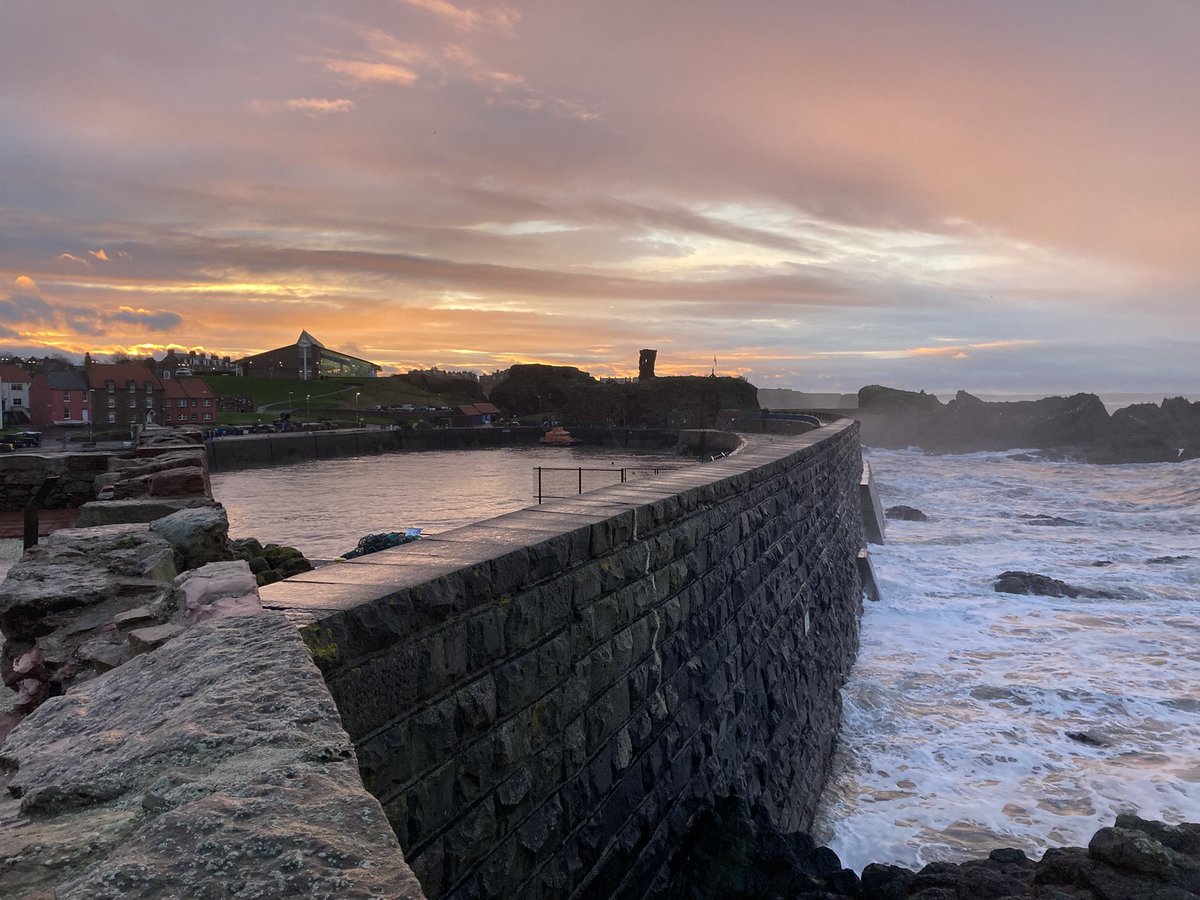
[
  {"x": 290, "y": 400},
  {"x": 357, "y": 418},
  {"x": 308, "y": 406}
]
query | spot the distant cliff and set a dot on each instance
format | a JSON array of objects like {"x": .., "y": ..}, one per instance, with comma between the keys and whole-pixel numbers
[{"x": 1078, "y": 427}]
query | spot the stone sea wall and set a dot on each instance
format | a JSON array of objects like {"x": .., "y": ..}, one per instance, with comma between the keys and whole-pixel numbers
[
  {"x": 545, "y": 702},
  {"x": 21, "y": 474},
  {"x": 248, "y": 451}
]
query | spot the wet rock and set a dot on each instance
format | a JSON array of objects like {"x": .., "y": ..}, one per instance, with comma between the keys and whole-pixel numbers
[
  {"x": 1087, "y": 738},
  {"x": 906, "y": 514},
  {"x": 1043, "y": 586},
  {"x": 1167, "y": 560},
  {"x": 1049, "y": 521},
  {"x": 731, "y": 852}
]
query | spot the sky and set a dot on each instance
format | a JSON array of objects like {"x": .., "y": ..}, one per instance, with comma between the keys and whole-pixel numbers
[{"x": 1000, "y": 197}]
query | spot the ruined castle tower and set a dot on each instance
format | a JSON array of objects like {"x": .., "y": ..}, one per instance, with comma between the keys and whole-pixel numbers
[{"x": 646, "y": 364}]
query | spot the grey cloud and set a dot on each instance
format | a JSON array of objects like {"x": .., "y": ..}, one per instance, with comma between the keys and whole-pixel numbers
[
  {"x": 144, "y": 318},
  {"x": 26, "y": 308}
]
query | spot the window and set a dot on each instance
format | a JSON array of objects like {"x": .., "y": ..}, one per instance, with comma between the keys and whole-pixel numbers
[
  {"x": 112, "y": 402},
  {"x": 207, "y": 401},
  {"x": 18, "y": 387},
  {"x": 149, "y": 387},
  {"x": 208, "y": 417},
  {"x": 181, "y": 403},
  {"x": 111, "y": 385},
  {"x": 17, "y": 401},
  {"x": 194, "y": 403},
  {"x": 66, "y": 396},
  {"x": 132, "y": 386},
  {"x": 133, "y": 402},
  {"x": 67, "y": 413},
  {"x": 112, "y": 417},
  {"x": 194, "y": 417}
]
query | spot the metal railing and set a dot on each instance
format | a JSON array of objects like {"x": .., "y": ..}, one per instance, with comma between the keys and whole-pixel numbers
[{"x": 557, "y": 483}]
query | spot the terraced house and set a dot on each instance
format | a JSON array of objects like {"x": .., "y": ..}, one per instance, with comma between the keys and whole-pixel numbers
[
  {"x": 187, "y": 401},
  {"x": 124, "y": 394}
]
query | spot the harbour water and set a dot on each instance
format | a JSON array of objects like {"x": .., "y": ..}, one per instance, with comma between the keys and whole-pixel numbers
[
  {"x": 323, "y": 507},
  {"x": 959, "y": 711}
]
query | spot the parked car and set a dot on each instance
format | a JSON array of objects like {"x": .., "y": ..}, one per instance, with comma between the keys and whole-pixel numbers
[
  {"x": 6, "y": 448},
  {"x": 26, "y": 439}
]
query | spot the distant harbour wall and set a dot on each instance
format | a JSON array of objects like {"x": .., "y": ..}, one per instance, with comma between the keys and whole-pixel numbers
[
  {"x": 250, "y": 451},
  {"x": 545, "y": 701}
]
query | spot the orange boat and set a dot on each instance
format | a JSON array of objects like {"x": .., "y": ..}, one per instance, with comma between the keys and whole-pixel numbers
[{"x": 558, "y": 437}]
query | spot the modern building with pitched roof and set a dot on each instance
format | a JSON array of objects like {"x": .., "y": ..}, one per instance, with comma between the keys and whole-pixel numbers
[{"x": 307, "y": 359}]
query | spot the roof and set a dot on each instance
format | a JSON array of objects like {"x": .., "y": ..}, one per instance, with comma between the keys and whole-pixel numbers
[
  {"x": 121, "y": 374},
  {"x": 479, "y": 409},
  {"x": 11, "y": 373},
  {"x": 70, "y": 380},
  {"x": 179, "y": 388},
  {"x": 307, "y": 340}
]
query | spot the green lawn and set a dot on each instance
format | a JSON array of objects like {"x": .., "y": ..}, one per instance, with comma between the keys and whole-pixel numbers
[{"x": 329, "y": 399}]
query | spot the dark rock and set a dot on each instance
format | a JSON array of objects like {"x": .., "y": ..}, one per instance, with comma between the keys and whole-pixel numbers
[
  {"x": 1126, "y": 848},
  {"x": 882, "y": 882},
  {"x": 1043, "y": 586},
  {"x": 1050, "y": 521},
  {"x": 199, "y": 536},
  {"x": 1087, "y": 738},
  {"x": 906, "y": 514},
  {"x": 1167, "y": 560},
  {"x": 1076, "y": 427},
  {"x": 731, "y": 852}
]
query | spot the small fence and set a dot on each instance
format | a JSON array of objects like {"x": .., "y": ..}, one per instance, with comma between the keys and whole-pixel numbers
[{"x": 555, "y": 483}]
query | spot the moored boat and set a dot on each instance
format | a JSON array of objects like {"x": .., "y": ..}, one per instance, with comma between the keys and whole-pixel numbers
[{"x": 559, "y": 437}]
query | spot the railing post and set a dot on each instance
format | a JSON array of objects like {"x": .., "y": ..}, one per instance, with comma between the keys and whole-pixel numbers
[
  {"x": 581, "y": 479},
  {"x": 31, "y": 510},
  {"x": 539, "y": 492}
]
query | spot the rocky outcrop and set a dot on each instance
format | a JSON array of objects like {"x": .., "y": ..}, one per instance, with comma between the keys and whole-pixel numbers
[
  {"x": 176, "y": 471},
  {"x": 906, "y": 514},
  {"x": 86, "y": 600},
  {"x": 217, "y": 769},
  {"x": 733, "y": 854},
  {"x": 1077, "y": 427}
]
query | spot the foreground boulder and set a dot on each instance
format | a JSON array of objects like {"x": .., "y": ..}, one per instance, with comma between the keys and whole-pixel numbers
[
  {"x": 906, "y": 514},
  {"x": 217, "y": 769}
]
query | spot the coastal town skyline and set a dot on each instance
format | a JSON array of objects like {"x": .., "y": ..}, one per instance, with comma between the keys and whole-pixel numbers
[{"x": 815, "y": 197}]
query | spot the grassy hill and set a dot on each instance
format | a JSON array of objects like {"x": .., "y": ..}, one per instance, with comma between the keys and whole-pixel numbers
[{"x": 338, "y": 399}]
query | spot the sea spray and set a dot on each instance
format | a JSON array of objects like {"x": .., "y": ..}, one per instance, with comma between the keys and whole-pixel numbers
[{"x": 975, "y": 719}]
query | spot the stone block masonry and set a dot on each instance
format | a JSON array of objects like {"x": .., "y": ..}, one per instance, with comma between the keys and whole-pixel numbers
[{"x": 545, "y": 701}]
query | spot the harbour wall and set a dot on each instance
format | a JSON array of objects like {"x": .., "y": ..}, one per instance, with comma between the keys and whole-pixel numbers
[
  {"x": 545, "y": 701},
  {"x": 249, "y": 451}
]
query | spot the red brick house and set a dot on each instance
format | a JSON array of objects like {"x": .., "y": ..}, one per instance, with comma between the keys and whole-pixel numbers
[
  {"x": 188, "y": 401},
  {"x": 59, "y": 398}
]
